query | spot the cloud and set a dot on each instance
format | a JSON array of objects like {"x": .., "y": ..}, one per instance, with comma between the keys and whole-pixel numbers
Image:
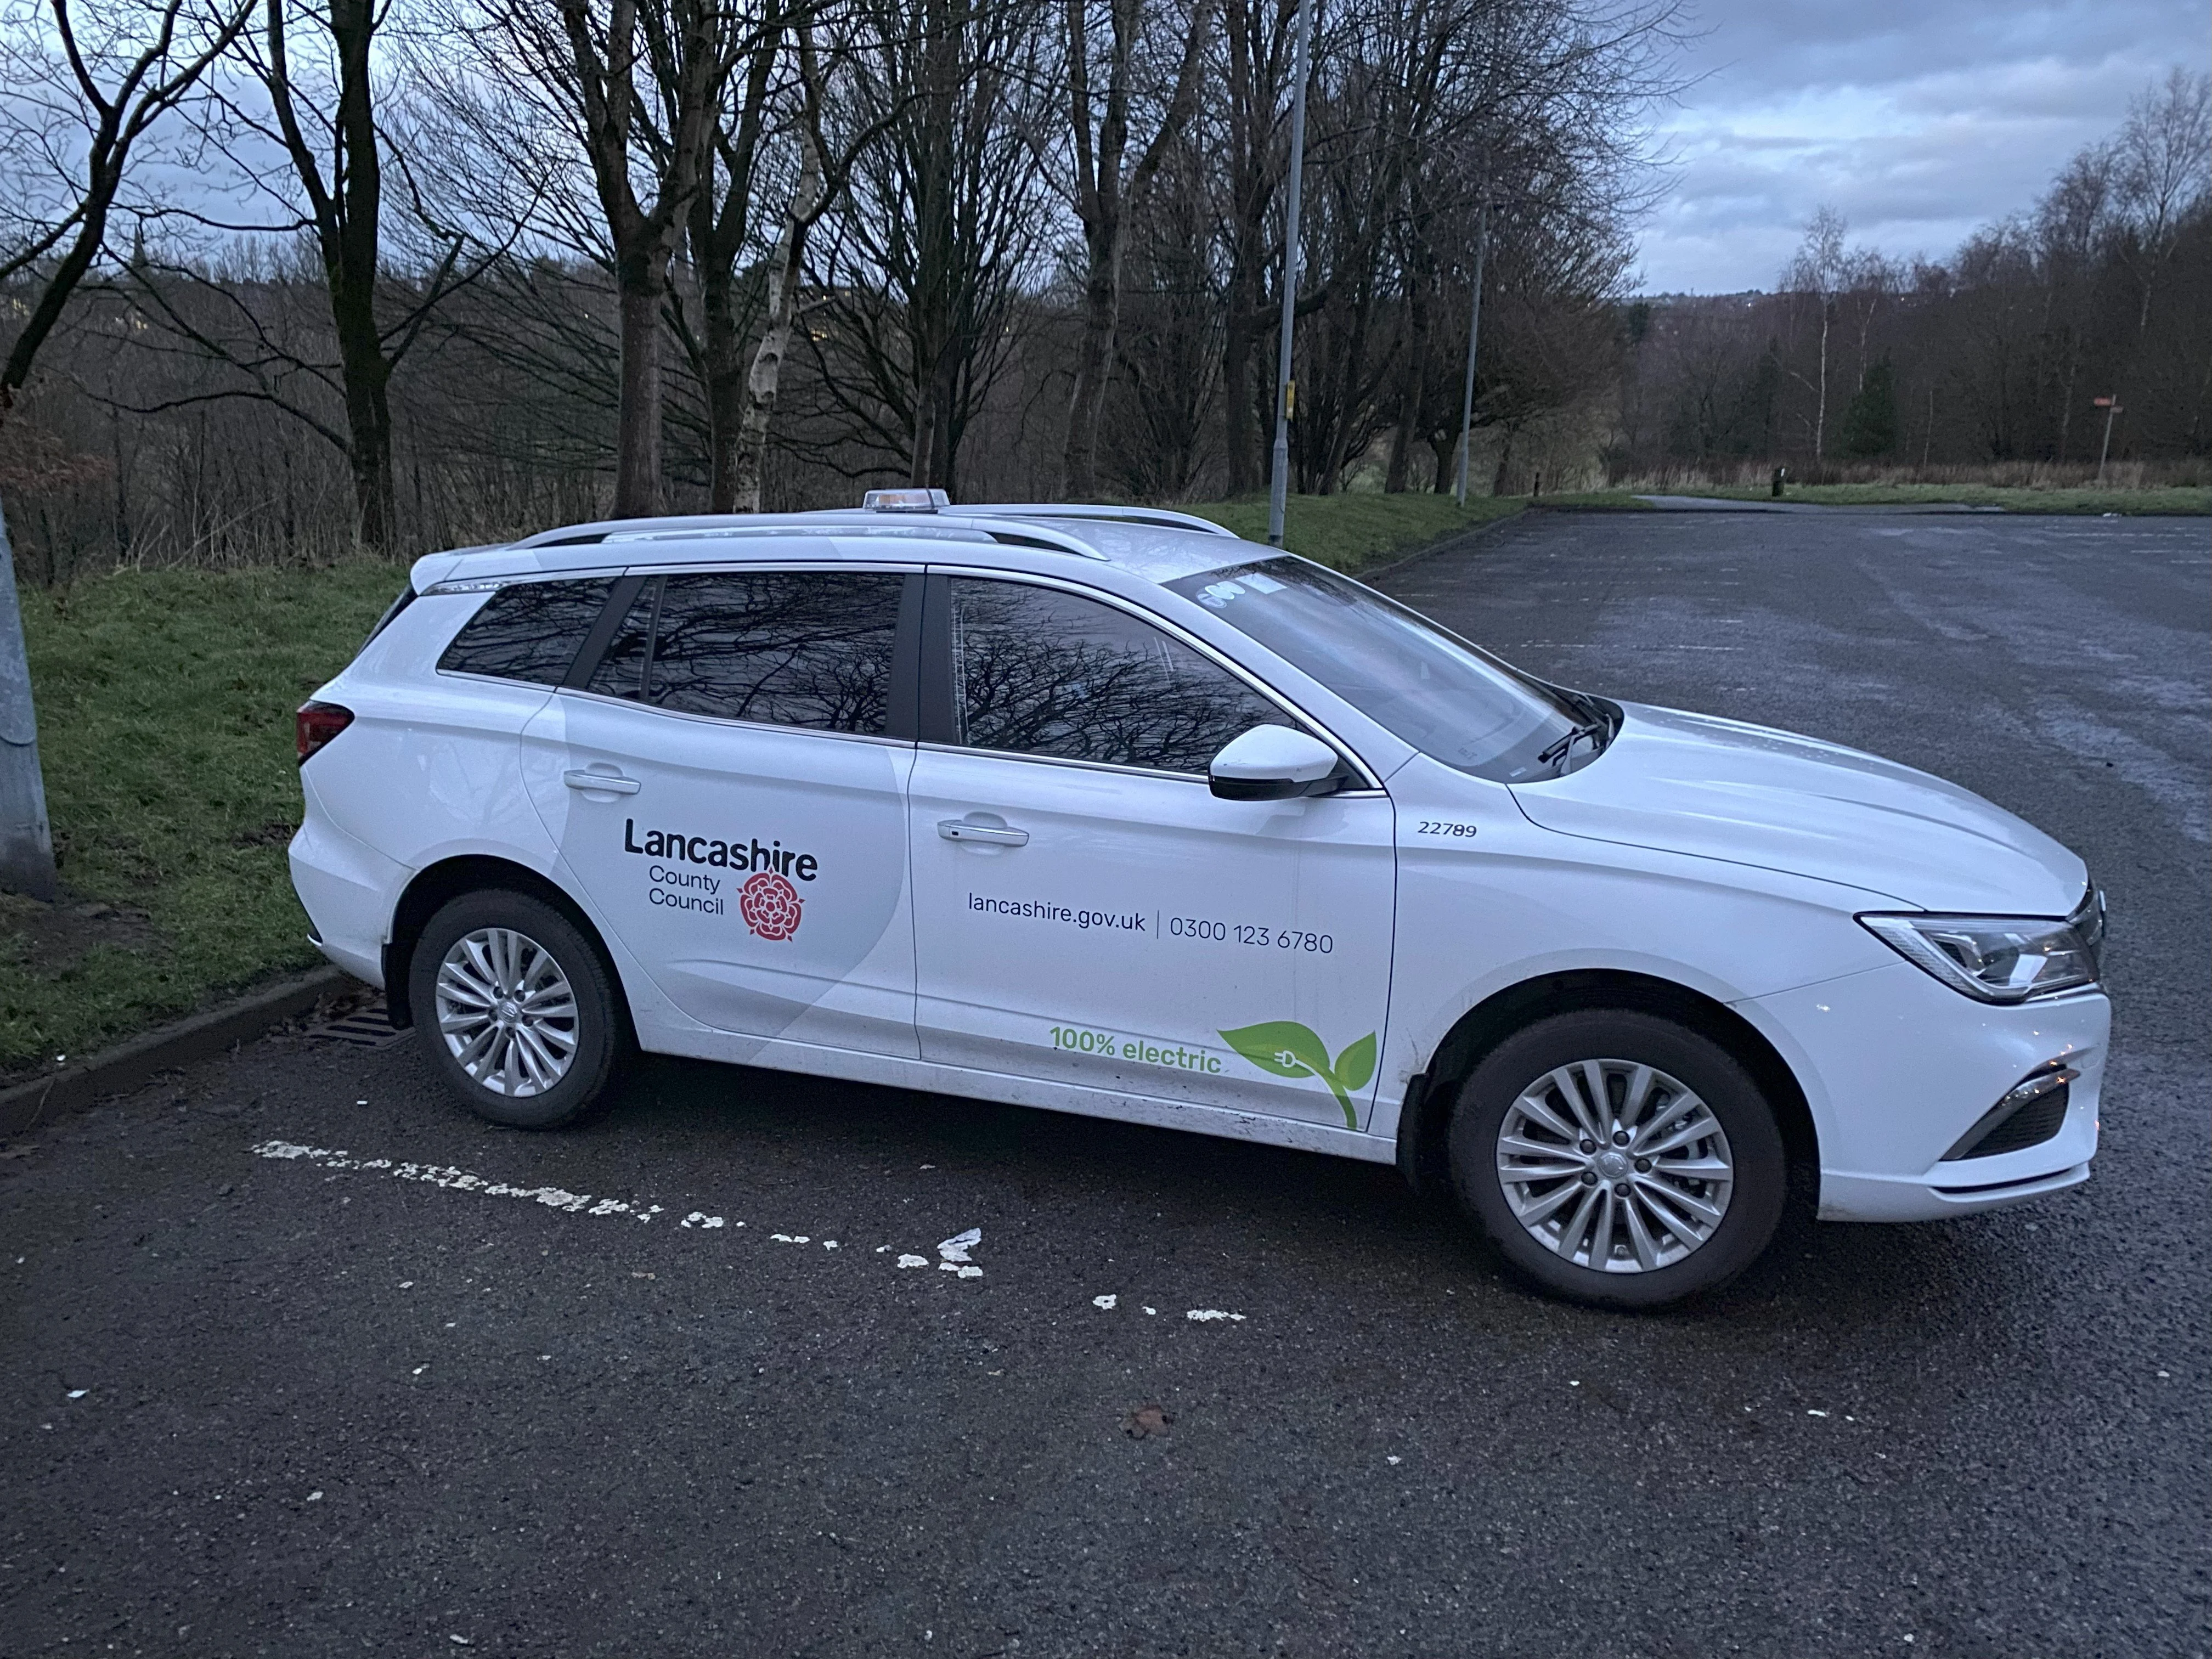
[{"x": 1917, "y": 121}]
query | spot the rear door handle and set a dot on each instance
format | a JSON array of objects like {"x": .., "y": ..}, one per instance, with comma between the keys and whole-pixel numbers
[
  {"x": 963, "y": 830},
  {"x": 611, "y": 783}
]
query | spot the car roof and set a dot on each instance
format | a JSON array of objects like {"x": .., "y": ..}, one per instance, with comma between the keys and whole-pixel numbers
[{"x": 1153, "y": 545}]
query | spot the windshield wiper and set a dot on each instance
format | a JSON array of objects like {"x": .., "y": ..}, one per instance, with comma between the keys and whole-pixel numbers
[{"x": 1598, "y": 731}]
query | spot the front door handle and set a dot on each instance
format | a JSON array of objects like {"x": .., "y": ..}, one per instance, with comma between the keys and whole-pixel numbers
[
  {"x": 998, "y": 834},
  {"x": 611, "y": 783}
]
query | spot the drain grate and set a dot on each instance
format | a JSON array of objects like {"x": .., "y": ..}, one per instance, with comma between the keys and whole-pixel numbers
[{"x": 368, "y": 1026}]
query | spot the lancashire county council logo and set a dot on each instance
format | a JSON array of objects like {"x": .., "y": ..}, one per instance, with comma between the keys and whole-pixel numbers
[{"x": 769, "y": 905}]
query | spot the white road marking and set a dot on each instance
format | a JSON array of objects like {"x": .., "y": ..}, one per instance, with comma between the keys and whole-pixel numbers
[{"x": 953, "y": 1254}]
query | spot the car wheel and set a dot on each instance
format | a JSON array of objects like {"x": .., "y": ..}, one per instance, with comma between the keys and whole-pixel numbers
[
  {"x": 1618, "y": 1158},
  {"x": 517, "y": 1012}
]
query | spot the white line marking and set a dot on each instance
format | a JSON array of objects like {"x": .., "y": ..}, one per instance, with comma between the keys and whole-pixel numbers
[{"x": 953, "y": 1254}]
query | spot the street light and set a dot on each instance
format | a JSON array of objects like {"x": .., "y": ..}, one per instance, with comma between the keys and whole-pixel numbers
[
  {"x": 1474, "y": 334},
  {"x": 1278, "y": 486}
]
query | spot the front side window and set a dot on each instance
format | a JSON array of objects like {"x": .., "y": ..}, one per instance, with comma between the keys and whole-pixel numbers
[
  {"x": 1039, "y": 671},
  {"x": 782, "y": 647},
  {"x": 1449, "y": 699},
  {"x": 527, "y": 631}
]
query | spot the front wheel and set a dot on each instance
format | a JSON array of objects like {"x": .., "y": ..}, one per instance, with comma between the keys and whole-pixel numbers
[
  {"x": 517, "y": 1012},
  {"x": 1618, "y": 1158}
]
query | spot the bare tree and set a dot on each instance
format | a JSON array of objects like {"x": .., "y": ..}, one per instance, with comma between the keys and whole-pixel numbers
[
  {"x": 1099, "y": 124},
  {"x": 108, "y": 75},
  {"x": 937, "y": 226},
  {"x": 2160, "y": 162},
  {"x": 1819, "y": 270},
  {"x": 633, "y": 84}
]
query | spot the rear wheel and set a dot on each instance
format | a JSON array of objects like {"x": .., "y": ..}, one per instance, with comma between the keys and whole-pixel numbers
[
  {"x": 1618, "y": 1158},
  {"x": 517, "y": 1012}
]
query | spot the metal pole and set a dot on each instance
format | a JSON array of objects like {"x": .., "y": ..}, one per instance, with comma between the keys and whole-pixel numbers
[
  {"x": 1473, "y": 333},
  {"x": 1278, "y": 486},
  {"x": 2111, "y": 409},
  {"x": 27, "y": 849}
]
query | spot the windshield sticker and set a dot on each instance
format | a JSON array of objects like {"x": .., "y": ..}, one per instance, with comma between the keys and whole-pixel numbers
[{"x": 1289, "y": 1049}]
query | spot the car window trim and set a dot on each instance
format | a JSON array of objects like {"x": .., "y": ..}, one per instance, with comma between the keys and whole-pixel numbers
[
  {"x": 900, "y": 698},
  {"x": 938, "y": 724},
  {"x": 620, "y": 597}
]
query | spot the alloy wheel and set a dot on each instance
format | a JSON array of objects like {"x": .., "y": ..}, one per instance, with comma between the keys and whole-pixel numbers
[
  {"x": 506, "y": 1011},
  {"x": 1614, "y": 1165}
]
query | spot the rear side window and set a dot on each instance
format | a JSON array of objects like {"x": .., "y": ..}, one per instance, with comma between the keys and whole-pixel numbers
[
  {"x": 808, "y": 649},
  {"x": 528, "y": 631},
  {"x": 1039, "y": 672}
]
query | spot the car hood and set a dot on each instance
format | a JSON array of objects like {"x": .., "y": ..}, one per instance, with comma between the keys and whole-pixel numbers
[{"x": 1721, "y": 789}]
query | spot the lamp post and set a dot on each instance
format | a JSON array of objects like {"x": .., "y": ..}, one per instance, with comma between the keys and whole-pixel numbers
[
  {"x": 27, "y": 850},
  {"x": 1278, "y": 485},
  {"x": 1474, "y": 334}
]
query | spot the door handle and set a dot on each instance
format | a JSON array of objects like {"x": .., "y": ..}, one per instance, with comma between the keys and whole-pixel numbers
[
  {"x": 612, "y": 783},
  {"x": 998, "y": 834}
]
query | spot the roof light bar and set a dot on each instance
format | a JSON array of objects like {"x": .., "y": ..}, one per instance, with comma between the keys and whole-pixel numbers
[{"x": 905, "y": 500}]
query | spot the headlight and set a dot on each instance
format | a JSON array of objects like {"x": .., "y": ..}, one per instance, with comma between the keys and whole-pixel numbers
[{"x": 2000, "y": 958}]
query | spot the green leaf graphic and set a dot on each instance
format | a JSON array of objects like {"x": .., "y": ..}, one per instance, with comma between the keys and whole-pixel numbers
[
  {"x": 1355, "y": 1067},
  {"x": 1281, "y": 1046},
  {"x": 1289, "y": 1049}
]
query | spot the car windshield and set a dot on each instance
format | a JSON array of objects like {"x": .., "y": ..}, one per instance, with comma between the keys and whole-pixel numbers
[{"x": 1450, "y": 700}]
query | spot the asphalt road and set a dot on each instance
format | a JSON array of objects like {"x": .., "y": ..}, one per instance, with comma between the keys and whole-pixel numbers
[{"x": 301, "y": 1406}]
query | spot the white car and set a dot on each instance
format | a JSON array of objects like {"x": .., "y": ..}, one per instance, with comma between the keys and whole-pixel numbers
[{"x": 1108, "y": 811}]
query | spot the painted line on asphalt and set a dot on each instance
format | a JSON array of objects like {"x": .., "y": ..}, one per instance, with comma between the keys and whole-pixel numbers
[{"x": 952, "y": 1254}]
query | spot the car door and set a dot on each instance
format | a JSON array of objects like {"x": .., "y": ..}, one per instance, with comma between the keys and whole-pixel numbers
[
  {"x": 1086, "y": 911},
  {"x": 726, "y": 777}
]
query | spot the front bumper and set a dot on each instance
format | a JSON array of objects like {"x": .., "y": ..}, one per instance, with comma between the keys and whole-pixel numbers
[{"x": 1896, "y": 1068}]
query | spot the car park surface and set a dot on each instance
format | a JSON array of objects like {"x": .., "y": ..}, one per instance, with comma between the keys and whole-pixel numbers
[{"x": 546, "y": 1426}]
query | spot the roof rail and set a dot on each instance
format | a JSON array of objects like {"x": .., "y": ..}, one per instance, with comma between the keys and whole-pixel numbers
[
  {"x": 1159, "y": 518},
  {"x": 953, "y": 524}
]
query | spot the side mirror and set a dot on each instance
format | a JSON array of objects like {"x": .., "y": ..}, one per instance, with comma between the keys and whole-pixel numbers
[{"x": 1273, "y": 762}]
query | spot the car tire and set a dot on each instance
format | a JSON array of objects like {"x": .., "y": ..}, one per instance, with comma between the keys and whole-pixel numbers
[
  {"x": 536, "y": 1059},
  {"x": 1676, "y": 1190}
]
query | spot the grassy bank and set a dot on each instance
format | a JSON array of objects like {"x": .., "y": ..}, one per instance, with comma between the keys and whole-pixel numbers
[
  {"x": 165, "y": 706},
  {"x": 2007, "y": 498},
  {"x": 1359, "y": 533}
]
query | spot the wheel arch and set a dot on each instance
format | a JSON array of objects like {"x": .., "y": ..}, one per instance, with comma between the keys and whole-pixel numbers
[
  {"x": 434, "y": 884},
  {"x": 1424, "y": 1122}
]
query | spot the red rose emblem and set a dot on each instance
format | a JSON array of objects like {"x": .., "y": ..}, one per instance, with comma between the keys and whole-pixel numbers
[{"x": 769, "y": 905}]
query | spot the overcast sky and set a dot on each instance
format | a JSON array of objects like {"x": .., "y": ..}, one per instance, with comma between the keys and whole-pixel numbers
[{"x": 1918, "y": 119}]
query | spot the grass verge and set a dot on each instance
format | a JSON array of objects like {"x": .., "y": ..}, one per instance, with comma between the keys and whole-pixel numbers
[
  {"x": 1358, "y": 532},
  {"x": 2011, "y": 499},
  {"x": 165, "y": 703}
]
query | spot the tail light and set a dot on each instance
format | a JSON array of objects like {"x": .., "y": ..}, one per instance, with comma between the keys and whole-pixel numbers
[{"x": 318, "y": 723}]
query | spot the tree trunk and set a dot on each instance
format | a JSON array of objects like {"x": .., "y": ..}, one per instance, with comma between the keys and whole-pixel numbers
[
  {"x": 1412, "y": 389},
  {"x": 783, "y": 273},
  {"x": 637, "y": 428},
  {"x": 1102, "y": 305},
  {"x": 1820, "y": 409}
]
